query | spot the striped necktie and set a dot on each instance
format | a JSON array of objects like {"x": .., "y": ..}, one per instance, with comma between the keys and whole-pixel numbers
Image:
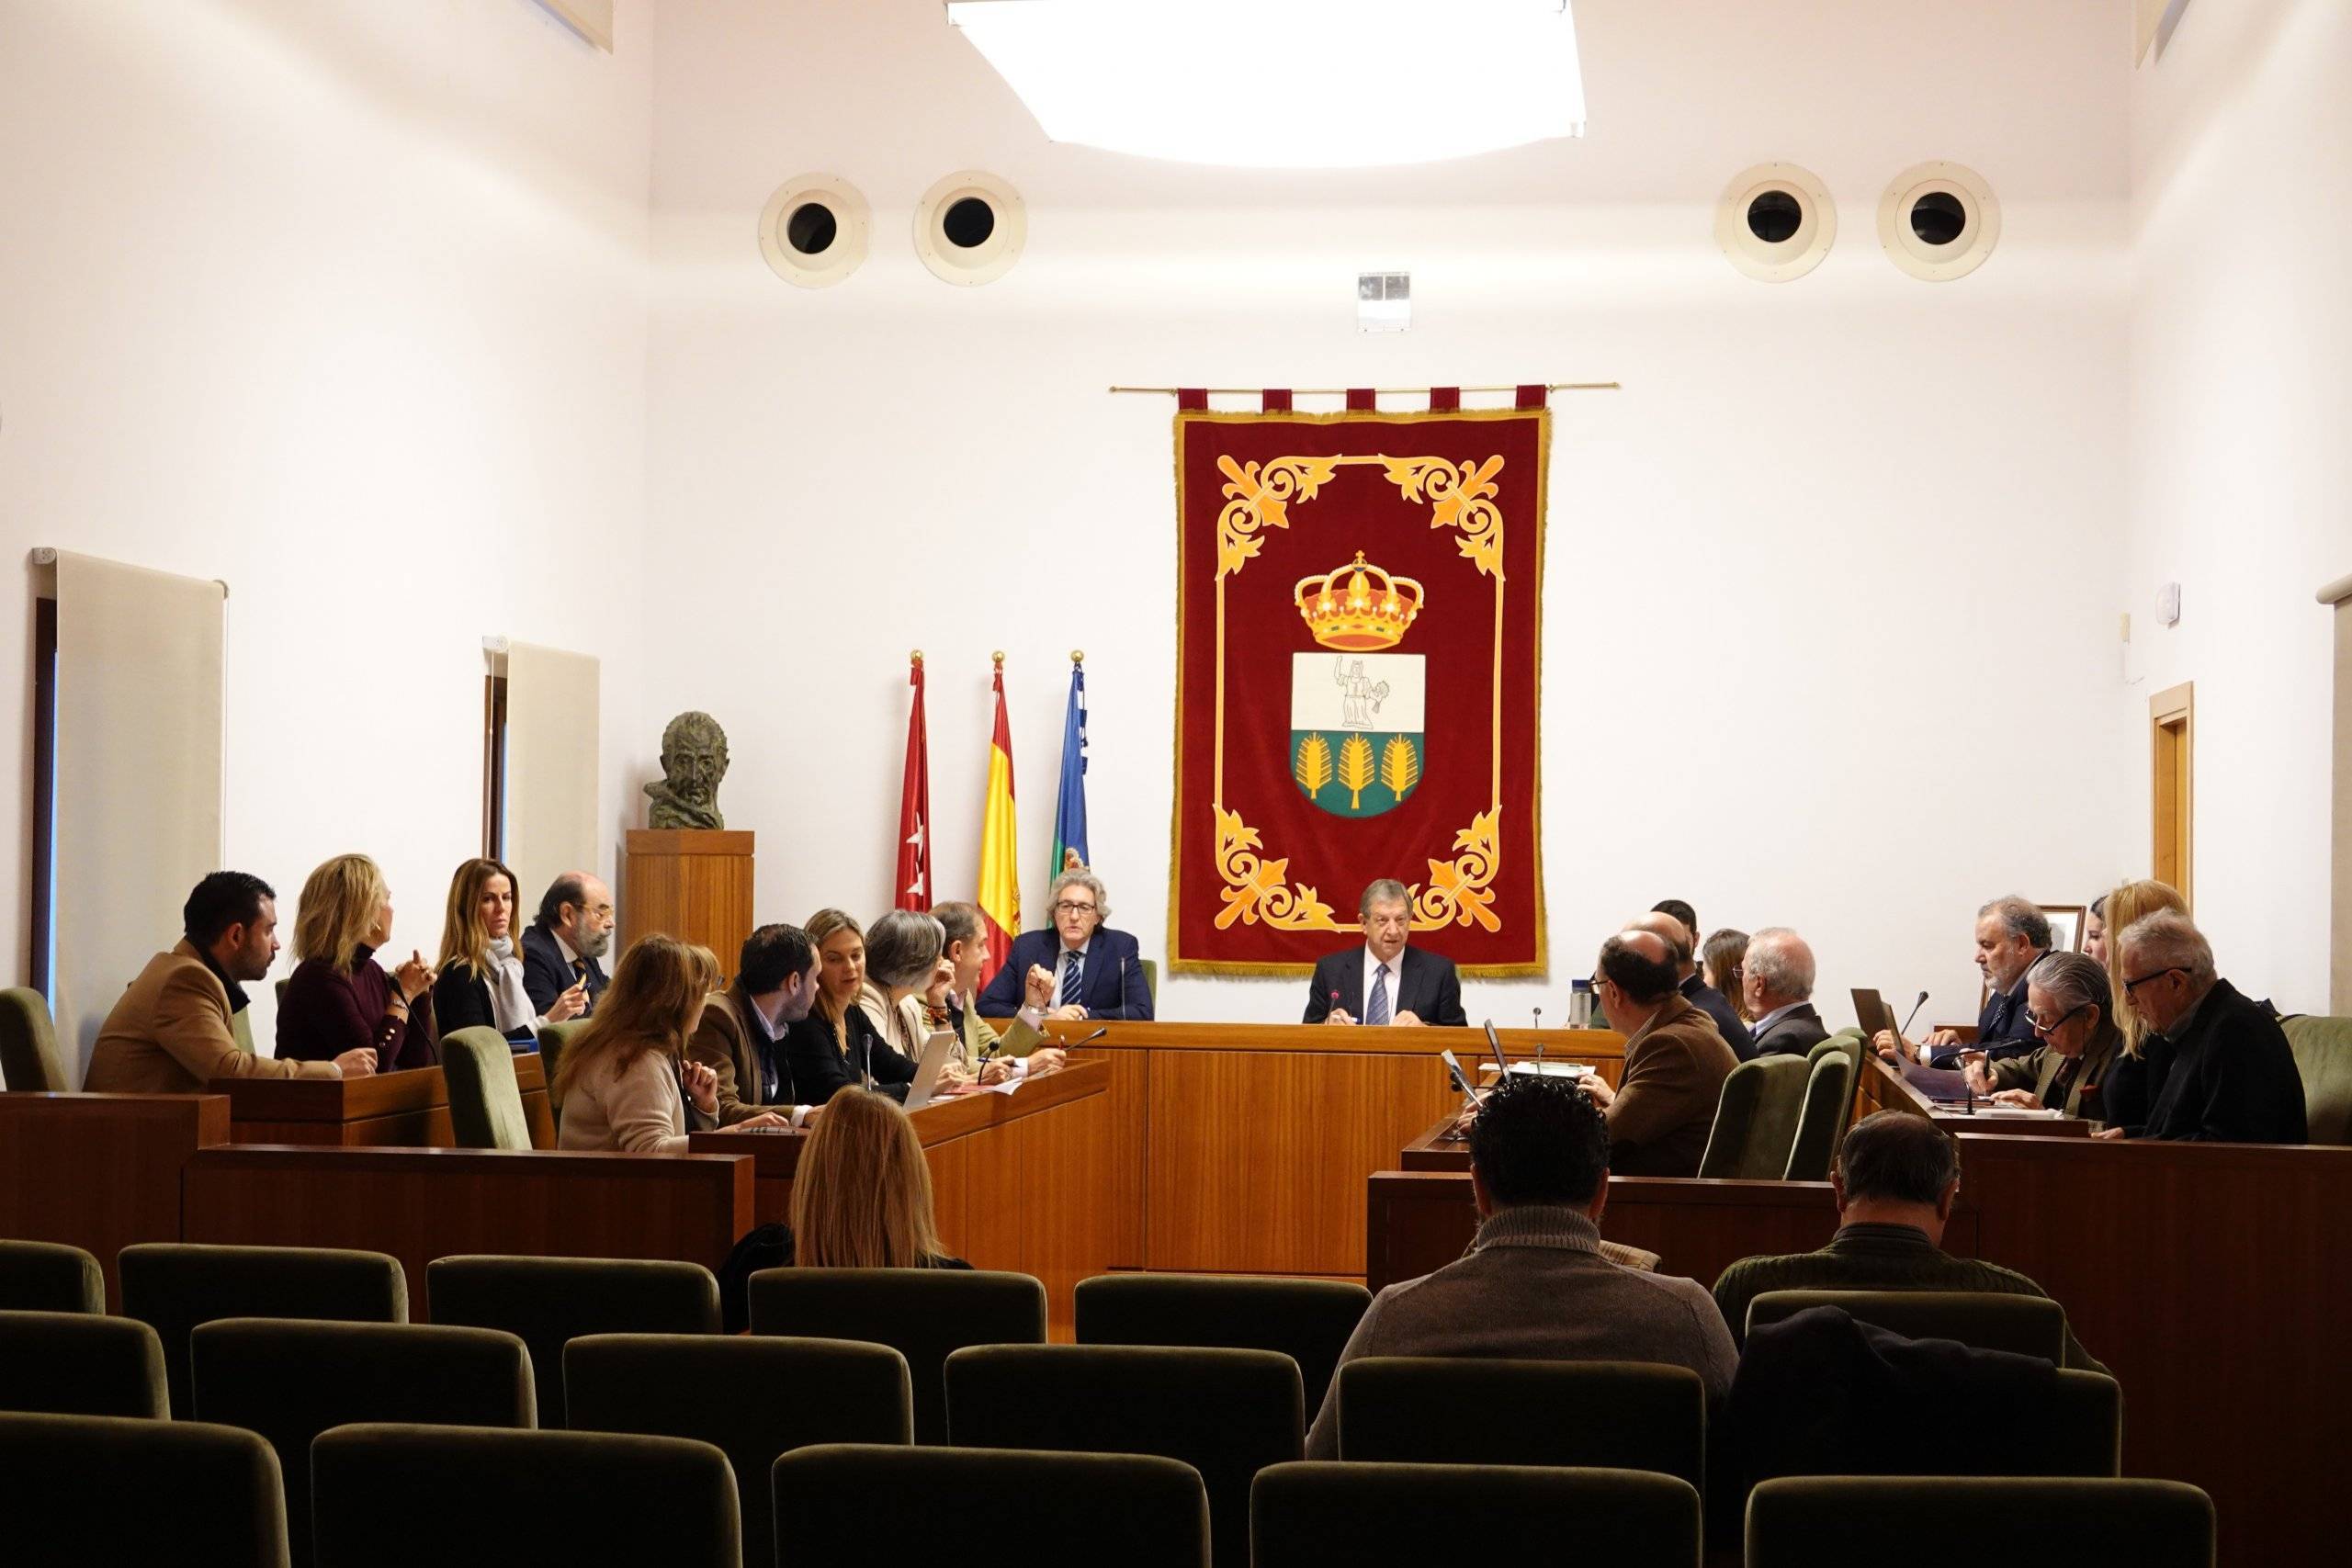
[
  {"x": 1375, "y": 1011},
  {"x": 1072, "y": 961}
]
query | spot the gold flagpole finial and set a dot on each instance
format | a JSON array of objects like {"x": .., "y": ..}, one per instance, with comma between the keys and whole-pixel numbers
[
  {"x": 998, "y": 657},
  {"x": 916, "y": 657},
  {"x": 1077, "y": 656}
]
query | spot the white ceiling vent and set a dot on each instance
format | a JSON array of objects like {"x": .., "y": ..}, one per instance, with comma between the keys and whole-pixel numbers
[
  {"x": 1775, "y": 222},
  {"x": 1939, "y": 221},
  {"x": 812, "y": 231}
]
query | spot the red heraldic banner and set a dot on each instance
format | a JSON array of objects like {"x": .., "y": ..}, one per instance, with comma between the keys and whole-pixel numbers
[{"x": 1359, "y": 626}]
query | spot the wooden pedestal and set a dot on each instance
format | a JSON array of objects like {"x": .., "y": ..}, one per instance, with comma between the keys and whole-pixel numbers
[{"x": 692, "y": 884}]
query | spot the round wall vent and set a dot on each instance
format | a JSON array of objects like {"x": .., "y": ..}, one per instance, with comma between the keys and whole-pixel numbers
[
  {"x": 1775, "y": 222},
  {"x": 1939, "y": 221},
  {"x": 970, "y": 227},
  {"x": 812, "y": 231}
]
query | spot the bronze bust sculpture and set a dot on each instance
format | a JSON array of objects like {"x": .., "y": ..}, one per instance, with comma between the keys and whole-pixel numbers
[{"x": 694, "y": 759}]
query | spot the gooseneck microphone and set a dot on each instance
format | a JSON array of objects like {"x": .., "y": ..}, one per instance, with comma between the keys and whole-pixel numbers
[
  {"x": 1914, "y": 1012},
  {"x": 1077, "y": 1044}
]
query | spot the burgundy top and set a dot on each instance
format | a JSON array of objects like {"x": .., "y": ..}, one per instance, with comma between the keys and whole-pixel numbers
[{"x": 324, "y": 1014}]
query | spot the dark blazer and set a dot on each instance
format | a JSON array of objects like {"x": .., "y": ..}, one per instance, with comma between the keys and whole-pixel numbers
[
  {"x": 2002, "y": 1029},
  {"x": 461, "y": 1000},
  {"x": 547, "y": 975},
  {"x": 820, "y": 1068},
  {"x": 1796, "y": 1033},
  {"x": 1428, "y": 987},
  {"x": 1111, "y": 985},
  {"x": 2233, "y": 1077},
  {"x": 2133, "y": 1084},
  {"x": 1715, "y": 1005}
]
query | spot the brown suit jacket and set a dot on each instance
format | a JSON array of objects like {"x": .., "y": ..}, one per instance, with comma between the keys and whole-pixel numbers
[
  {"x": 726, "y": 1043},
  {"x": 2038, "y": 1066},
  {"x": 1666, "y": 1101},
  {"x": 171, "y": 1033}
]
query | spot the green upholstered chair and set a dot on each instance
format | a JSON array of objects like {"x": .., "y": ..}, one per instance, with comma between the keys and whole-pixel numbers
[
  {"x": 28, "y": 1058},
  {"x": 290, "y": 1380},
  {"x": 1828, "y": 1094},
  {"x": 549, "y": 1301},
  {"x": 485, "y": 1103},
  {"x": 754, "y": 1397},
  {"x": 1307, "y": 1320},
  {"x": 48, "y": 1276},
  {"x": 1372, "y": 1516},
  {"x": 946, "y": 1506},
  {"x": 922, "y": 1314},
  {"x": 1151, "y": 981},
  {"x": 1756, "y": 1119},
  {"x": 1963, "y": 1522},
  {"x": 241, "y": 1030},
  {"x": 1849, "y": 1041},
  {"x": 1432, "y": 1410},
  {"x": 553, "y": 1038},
  {"x": 395, "y": 1496},
  {"x": 176, "y": 1285},
  {"x": 2323, "y": 1048},
  {"x": 74, "y": 1363},
  {"x": 1229, "y": 1414},
  {"x": 2023, "y": 1325},
  {"x": 101, "y": 1489}
]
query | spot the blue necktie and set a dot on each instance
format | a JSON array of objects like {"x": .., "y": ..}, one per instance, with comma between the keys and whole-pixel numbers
[
  {"x": 1071, "y": 961},
  {"x": 1375, "y": 1011}
]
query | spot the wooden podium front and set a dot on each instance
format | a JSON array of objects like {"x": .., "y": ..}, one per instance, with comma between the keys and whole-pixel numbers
[{"x": 694, "y": 884}]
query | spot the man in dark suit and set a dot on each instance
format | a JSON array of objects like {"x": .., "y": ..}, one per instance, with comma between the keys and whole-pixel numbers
[
  {"x": 560, "y": 948},
  {"x": 1777, "y": 978},
  {"x": 1095, "y": 971},
  {"x": 2011, "y": 936},
  {"x": 2233, "y": 1077},
  {"x": 1693, "y": 985},
  {"x": 1385, "y": 981},
  {"x": 1664, "y": 1104}
]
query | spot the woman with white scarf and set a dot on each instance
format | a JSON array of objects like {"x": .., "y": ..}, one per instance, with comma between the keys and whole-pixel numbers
[{"x": 479, "y": 984}]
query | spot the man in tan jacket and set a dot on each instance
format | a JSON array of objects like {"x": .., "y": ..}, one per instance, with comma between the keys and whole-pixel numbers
[
  {"x": 173, "y": 1032},
  {"x": 1675, "y": 1061},
  {"x": 740, "y": 1037}
]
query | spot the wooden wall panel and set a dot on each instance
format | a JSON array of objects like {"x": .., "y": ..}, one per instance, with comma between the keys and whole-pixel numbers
[
  {"x": 694, "y": 885},
  {"x": 1125, "y": 1182},
  {"x": 100, "y": 1171}
]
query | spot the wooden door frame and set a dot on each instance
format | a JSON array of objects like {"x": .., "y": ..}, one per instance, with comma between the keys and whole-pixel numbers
[{"x": 2172, "y": 770}]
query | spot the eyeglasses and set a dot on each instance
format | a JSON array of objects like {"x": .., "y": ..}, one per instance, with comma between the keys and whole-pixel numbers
[
  {"x": 2131, "y": 986},
  {"x": 1067, "y": 908},
  {"x": 2055, "y": 1024}
]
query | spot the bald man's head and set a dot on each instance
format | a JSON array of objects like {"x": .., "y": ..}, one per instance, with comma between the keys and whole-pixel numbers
[
  {"x": 1677, "y": 936},
  {"x": 1642, "y": 965}
]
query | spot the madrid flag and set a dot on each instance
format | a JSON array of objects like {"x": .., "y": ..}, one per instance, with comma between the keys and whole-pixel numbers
[
  {"x": 914, "y": 882},
  {"x": 1000, "y": 858}
]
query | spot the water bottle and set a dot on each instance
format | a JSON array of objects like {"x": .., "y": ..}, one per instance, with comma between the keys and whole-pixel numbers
[{"x": 1580, "y": 1004}]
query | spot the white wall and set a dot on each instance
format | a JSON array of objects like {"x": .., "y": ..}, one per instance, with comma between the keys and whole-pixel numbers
[
  {"x": 341, "y": 302},
  {"x": 1839, "y": 565},
  {"x": 2242, "y": 330}
]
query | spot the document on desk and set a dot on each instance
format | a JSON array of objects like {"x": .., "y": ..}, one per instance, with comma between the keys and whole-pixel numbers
[{"x": 1936, "y": 1083}]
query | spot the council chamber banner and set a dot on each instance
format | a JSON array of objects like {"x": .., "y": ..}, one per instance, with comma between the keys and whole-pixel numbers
[{"x": 1359, "y": 626}]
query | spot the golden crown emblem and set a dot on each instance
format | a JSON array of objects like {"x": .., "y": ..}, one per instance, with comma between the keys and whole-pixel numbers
[{"x": 1358, "y": 607}]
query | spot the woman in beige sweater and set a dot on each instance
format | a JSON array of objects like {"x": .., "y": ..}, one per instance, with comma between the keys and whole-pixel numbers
[{"x": 626, "y": 1081}]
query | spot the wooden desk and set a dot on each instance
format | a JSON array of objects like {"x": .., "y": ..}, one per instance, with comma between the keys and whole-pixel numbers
[
  {"x": 1018, "y": 1181},
  {"x": 1243, "y": 1148},
  {"x": 1882, "y": 1088},
  {"x": 100, "y": 1171},
  {"x": 420, "y": 1204},
  {"x": 408, "y": 1109}
]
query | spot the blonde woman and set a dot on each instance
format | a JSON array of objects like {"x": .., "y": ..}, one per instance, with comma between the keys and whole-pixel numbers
[
  {"x": 339, "y": 998},
  {"x": 479, "y": 979},
  {"x": 2136, "y": 1077},
  {"x": 626, "y": 1081},
  {"x": 837, "y": 1045},
  {"x": 861, "y": 1198}
]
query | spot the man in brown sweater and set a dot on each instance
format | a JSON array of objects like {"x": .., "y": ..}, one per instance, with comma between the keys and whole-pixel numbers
[
  {"x": 1534, "y": 1284},
  {"x": 1675, "y": 1061},
  {"x": 173, "y": 1030}
]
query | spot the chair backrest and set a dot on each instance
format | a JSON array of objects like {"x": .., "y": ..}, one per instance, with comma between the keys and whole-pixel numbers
[
  {"x": 1848, "y": 1041},
  {"x": 942, "y": 1505},
  {"x": 1307, "y": 1320},
  {"x": 922, "y": 1314},
  {"x": 1948, "y": 1521},
  {"x": 290, "y": 1380},
  {"x": 549, "y": 1301},
  {"x": 104, "y": 1489},
  {"x": 485, "y": 1103},
  {"x": 1827, "y": 1092},
  {"x": 1151, "y": 980},
  {"x": 779, "y": 1395},
  {"x": 2023, "y": 1325},
  {"x": 176, "y": 1285},
  {"x": 553, "y": 1039},
  {"x": 395, "y": 1496},
  {"x": 72, "y": 1363},
  {"x": 1374, "y": 1515},
  {"x": 48, "y": 1276},
  {"x": 1432, "y": 1410},
  {"x": 1756, "y": 1119},
  {"x": 1229, "y": 1414},
  {"x": 2323, "y": 1048},
  {"x": 28, "y": 1058}
]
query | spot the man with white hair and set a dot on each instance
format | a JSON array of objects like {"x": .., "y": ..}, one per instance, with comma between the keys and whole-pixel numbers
[
  {"x": 1094, "y": 971},
  {"x": 1776, "y": 980},
  {"x": 2234, "y": 1077}
]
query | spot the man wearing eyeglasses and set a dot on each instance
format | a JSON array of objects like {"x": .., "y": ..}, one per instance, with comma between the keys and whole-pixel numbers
[
  {"x": 1094, "y": 971},
  {"x": 2234, "y": 1077},
  {"x": 2011, "y": 935}
]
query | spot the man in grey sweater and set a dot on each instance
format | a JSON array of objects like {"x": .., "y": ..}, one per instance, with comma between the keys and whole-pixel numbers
[{"x": 1534, "y": 1284}]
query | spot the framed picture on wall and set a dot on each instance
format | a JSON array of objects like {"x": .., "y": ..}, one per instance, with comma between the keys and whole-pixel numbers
[{"x": 2065, "y": 926}]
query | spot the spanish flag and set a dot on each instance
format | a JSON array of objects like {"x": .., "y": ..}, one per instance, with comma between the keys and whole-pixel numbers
[{"x": 1000, "y": 878}]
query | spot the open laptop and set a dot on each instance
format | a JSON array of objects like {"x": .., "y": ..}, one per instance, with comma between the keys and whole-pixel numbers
[
  {"x": 936, "y": 1049},
  {"x": 1530, "y": 1070}
]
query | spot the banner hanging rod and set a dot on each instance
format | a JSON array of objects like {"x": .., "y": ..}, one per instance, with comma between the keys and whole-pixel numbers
[{"x": 1377, "y": 391}]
